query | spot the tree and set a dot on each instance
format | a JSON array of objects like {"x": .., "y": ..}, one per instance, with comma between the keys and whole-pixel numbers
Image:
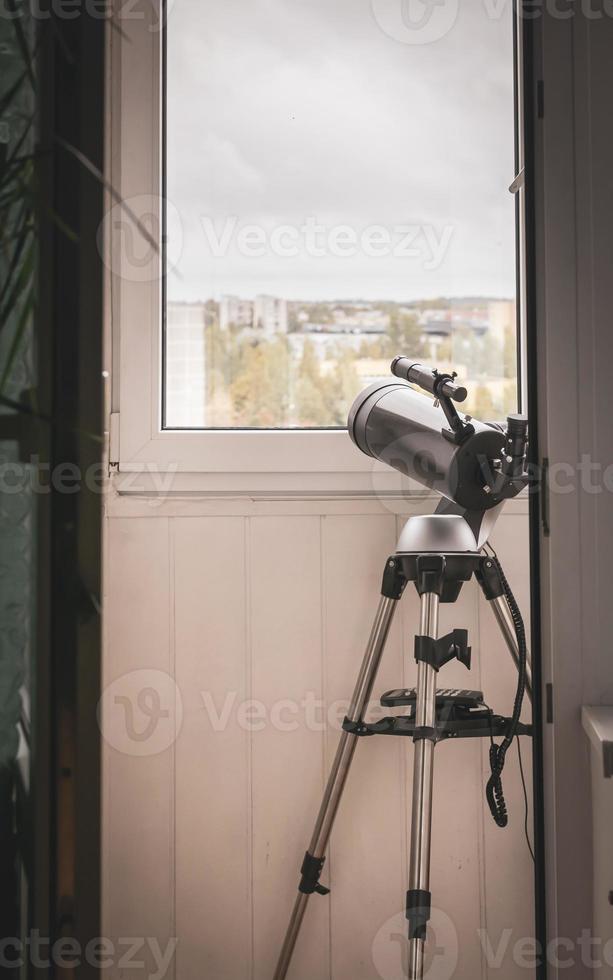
[
  {"x": 260, "y": 391},
  {"x": 404, "y": 335},
  {"x": 312, "y": 399},
  {"x": 347, "y": 383},
  {"x": 481, "y": 404}
]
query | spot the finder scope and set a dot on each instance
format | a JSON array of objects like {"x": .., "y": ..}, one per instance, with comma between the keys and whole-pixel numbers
[{"x": 475, "y": 464}]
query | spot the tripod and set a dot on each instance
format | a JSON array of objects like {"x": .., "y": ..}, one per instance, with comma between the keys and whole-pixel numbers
[{"x": 437, "y": 553}]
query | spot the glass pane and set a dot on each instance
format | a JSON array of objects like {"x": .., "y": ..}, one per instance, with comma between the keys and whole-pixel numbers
[{"x": 337, "y": 192}]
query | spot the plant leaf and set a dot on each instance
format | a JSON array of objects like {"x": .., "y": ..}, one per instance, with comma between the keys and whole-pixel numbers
[
  {"x": 24, "y": 409},
  {"x": 22, "y": 41},
  {"x": 26, "y": 310},
  {"x": 93, "y": 169},
  {"x": 9, "y": 95},
  {"x": 20, "y": 241},
  {"x": 19, "y": 286}
]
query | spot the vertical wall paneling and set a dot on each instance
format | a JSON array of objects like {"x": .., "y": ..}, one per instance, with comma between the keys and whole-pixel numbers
[
  {"x": 287, "y": 754},
  {"x": 138, "y": 803},
  {"x": 213, "y": 788},
  {"x": 366, "y": 854},
  {"x": 260, "y": 618}
]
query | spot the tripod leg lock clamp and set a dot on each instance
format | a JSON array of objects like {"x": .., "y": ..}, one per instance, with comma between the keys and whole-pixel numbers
[
  {"x": 394, "y": 579},
  {"x": 418, "y": 912},
  {"x": 439, "y": 652},
  {"x": 488, "y": 577},
  {"x": 310, "y": 871}
]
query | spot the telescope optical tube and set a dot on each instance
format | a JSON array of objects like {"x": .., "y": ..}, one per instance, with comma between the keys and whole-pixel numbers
[{"x": 392, "y": 422}]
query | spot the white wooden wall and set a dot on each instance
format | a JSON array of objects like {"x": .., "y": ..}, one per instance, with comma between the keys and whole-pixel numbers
[{"x": 203, "y": 837}]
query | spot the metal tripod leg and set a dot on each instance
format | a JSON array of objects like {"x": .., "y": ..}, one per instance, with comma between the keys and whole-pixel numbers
[
  {"x": 418, "y": 899},
  {"x": 314, "y": 858}
]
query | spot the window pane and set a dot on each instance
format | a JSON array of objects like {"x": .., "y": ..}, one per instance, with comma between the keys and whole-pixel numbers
[{"x": 337, "y": 192}]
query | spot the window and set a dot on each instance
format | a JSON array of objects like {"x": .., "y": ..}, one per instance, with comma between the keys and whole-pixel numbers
[
  {"x": 340, "y": 196},
  {"x": 334, "y": 183}
]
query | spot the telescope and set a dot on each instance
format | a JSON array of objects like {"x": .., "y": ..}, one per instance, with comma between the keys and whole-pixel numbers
[{"x": 475, "y": 466}]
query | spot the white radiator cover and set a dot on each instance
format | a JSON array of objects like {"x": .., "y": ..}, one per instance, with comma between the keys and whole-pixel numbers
[{"x": 598, "y": 725}]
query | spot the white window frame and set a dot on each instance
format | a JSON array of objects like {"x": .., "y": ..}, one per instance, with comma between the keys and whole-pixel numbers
[
  {"x": 222, "y": 460},
  {"x": 296, "y": 462}
]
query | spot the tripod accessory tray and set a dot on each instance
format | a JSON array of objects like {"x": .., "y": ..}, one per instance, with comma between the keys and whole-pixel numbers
[
  {"x": 459, "y": 714},
  {"x": 407, "y": 696}
]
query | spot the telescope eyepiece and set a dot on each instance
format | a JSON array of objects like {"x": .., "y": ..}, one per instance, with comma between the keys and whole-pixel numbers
[
  {"x": 517, "y": 425},
  {"x": 515, "y": 445}
]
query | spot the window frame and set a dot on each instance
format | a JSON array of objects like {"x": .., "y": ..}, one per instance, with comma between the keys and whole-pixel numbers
[
  {"x": 211, "y": 460},
  {"x": 138, "y": 441}
]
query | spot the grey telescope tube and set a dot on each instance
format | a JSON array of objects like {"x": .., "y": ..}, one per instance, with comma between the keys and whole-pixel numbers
[{"x": 392, "y": 422}]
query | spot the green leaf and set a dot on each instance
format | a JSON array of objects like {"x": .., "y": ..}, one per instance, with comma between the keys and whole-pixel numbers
[
  {"x": 24, "y": 316},
  {"x": 20, "y": 284},
  {"x": 19, "y": 242},
  {"x": 29, "y": 123},
  {"x": 7, "y": 98},
  {"x": 22, "y": 41},
  {"x": 93, "y": 169}
]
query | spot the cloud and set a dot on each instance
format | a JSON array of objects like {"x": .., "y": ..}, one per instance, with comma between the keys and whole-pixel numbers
[{"x": 280, "y": 109}]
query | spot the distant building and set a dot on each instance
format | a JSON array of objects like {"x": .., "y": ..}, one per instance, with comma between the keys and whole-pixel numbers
[
  {"x": 185, "y": 365},
  {"x": 361, "y": 320},
  {"x": 436, "y": 329},
  {"x": 501, "y": 318},
  {"x": 270, "y": 315},
  {"x": 235, "y": 311},
  {"x": 325, "y": 344}
]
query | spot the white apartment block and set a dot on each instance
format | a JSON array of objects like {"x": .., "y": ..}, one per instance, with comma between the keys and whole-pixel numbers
[
  {"x": 185, "y": 365},
  {"x": 235, "y": 311},
  {"x": 270, "y": 315}
]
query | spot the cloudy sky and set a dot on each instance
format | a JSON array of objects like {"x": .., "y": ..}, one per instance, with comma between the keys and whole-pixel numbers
[{"x": 290, "y": 114}]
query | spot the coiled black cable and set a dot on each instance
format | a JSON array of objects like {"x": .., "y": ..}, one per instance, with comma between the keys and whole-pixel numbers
[{"x": 493, "y": 791}]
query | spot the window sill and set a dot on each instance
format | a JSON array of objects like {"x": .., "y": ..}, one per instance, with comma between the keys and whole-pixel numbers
[{"x": 378, "y": 481}]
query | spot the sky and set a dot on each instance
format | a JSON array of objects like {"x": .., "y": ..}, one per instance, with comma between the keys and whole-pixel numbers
[{"x": 295, "y": 126}]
